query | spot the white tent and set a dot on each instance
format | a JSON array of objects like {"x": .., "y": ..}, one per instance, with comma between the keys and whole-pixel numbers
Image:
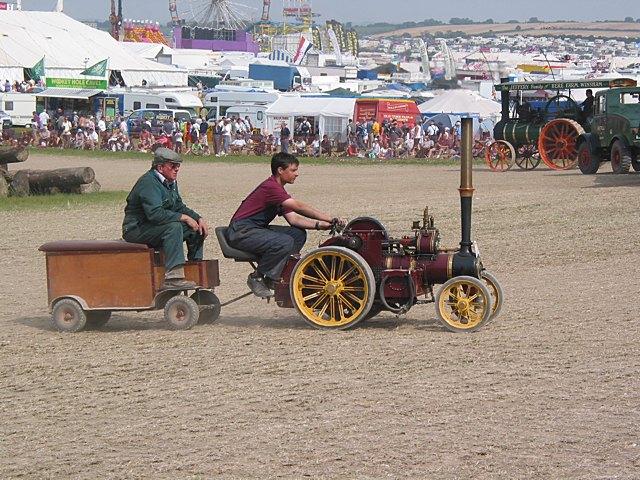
[
  {"x": 69, "y": 47},
  {"x": 460, "y": 102},
  {"x": 332, "y": 114}
]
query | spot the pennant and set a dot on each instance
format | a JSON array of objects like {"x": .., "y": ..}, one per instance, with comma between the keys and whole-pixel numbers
[
  {"x": 37, "y": 71},
  {"x": 97, "y": 70},
  {"x": 303, "y": 48}
]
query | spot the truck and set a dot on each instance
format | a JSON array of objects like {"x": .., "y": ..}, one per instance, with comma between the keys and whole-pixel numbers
[
  {"x": 285, "y": 77},
  {"x": 404, "y": 111},
  {"x": 614, "y": 132}
]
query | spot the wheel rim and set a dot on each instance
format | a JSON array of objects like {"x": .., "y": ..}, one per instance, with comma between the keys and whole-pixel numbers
[
  {"x": 462, "y": 305},
  {"x": 330, "y": 288},
  {"x": 584, "y": 158},
  {"x": 179, "y": 314},
  {"x": 499, "y": 157},
  {"x": 66, "y": 316},
  {"x": 557, "y": 143}
]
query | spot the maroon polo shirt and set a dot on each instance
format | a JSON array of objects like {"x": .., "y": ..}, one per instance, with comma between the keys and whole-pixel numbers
[{"x": 264, "y": 203}]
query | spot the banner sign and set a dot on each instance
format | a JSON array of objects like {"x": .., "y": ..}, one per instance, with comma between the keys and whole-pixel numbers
[
  {"x": 566, "y": 84},
  {"x": 83, "y": 83}
]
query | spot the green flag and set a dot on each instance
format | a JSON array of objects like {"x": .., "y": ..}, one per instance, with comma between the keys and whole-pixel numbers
[
  {"x": 37, "y": 71},
  {"x": 97, "y": 70}
]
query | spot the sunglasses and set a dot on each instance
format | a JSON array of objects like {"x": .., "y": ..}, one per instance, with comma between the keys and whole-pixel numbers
[{"x": 174, "y": 166}]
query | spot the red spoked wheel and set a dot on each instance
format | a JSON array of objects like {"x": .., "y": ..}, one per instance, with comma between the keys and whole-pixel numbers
[
  {"x": 557, "y": 143},
  {"x": 528, "y": 157},
  {"x": 500, "y": 156}
]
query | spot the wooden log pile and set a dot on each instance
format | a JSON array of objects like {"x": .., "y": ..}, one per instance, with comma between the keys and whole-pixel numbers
[{"x": 22, "y": 183}]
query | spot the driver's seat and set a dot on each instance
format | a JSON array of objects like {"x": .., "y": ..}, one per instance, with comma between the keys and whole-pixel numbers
[{"x": 229, "y": 252}]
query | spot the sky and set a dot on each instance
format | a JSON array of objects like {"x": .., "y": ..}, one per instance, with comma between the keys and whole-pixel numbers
[{"x": 370, "y": 11}]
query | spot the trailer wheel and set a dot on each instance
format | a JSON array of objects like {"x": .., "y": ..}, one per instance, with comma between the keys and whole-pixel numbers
[
  {"x": 332, "y": 288},
  {"x": 209, "y": 304},
  {"x": 620, "y": 158},
  {"x": 97, "y": 318},
  {"x": 500, "y": 156},
  {"x": 495, "y": 290},
  {"x": 68, "y": 316},
  {"x": 181, "y": 312},
  {"x": 588, "y": 163},
  {"x": 463, "y": 304}
]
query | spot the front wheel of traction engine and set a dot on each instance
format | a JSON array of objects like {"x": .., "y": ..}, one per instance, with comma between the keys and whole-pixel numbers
[
  {"x": 332, "y": 288},
  {"x": 463, "y": 304},
  {"x": 181, "y": 312}
]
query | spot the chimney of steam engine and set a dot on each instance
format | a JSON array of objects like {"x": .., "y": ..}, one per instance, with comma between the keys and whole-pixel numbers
[{"x": 466, "y": 185}]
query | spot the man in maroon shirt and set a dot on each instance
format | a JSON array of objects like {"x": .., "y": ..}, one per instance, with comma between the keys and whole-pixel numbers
[{"x": 249, "y": 229}]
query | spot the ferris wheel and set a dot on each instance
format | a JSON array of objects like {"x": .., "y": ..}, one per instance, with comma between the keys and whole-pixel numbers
[{"x": 209, "y": 13}]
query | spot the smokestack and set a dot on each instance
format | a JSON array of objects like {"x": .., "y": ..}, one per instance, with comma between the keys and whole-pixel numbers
[{"x": 466, "y": 185}]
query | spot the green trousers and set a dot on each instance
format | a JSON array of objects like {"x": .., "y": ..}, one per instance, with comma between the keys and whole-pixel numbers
[{"x": 169, "y": 238}]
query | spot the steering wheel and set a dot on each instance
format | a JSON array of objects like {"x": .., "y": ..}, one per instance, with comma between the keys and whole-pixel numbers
[{"x": 572, "y": 111}]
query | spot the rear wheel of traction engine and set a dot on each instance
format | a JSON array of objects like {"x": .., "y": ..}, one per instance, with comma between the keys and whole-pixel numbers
[
  {"x": 588, "y": 163},
  {"x": 500, "y": 156},
  {"x": 620, "y": 158},
  {"x": 68, "y": 316},
  {"x": 97, "y": 318},
  {"x": 528, "y": 157},
  {"x": 209, "y": 304},
  {"x": 557, "y": 143},
  {"x": 332, "y": 288},
  {"x": 463, "y": 304},
  {"x": 181, "y": 312},
  {"x": 495, "y": 290}
]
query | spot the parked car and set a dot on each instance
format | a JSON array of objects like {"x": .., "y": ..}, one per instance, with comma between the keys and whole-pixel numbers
[{"x": 5, "y": 118}]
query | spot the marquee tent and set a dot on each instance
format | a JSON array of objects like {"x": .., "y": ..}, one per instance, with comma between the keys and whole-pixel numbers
[
  {"x": 331, "y": 113},
  {"x": 461, "y": 102},
  {"x": 69, "y": 47}
]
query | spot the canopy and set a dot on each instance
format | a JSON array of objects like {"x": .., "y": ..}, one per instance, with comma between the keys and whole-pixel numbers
[
  {"x": 69, "y": 47},
  {"x": 333, "y": 113},
  {"x": 79, "y": 93},
  {"x": 460, "y": 102}
]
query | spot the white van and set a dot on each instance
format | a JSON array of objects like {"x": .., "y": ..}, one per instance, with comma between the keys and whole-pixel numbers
[
  {"x": 19, "y": 106},
  {"x": 256, "y": 114},
  {"x": 218, "y": 103}
]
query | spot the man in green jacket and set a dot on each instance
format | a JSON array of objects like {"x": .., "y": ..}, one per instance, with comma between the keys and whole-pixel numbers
[{"x": 155, "y": 215}]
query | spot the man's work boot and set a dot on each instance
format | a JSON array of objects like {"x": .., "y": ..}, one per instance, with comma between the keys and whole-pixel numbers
[
  {"x": 258, "y": 287},
  {"x": 174, "y": 280}
]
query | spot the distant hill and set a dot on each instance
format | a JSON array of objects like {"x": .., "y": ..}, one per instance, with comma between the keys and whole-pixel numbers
[{"x": 629, "y": 30}]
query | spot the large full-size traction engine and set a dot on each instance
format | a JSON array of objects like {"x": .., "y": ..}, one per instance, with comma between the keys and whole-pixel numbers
[{"x": 361, "y": 272}]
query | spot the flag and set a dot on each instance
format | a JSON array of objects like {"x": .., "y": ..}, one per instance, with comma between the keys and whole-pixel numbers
[
  {"x": 37, "y": 71},
  {"x": 303, "y": 48},
  {"x": 97, "y": 70}
]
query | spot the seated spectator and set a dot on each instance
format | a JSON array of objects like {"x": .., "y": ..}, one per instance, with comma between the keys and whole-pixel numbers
[
  {"x": 238, "y": 143},
  {"x": 79, "y": 139},
  {"x": 325, "y": 146},
  {"x": 300, "y": 146}
]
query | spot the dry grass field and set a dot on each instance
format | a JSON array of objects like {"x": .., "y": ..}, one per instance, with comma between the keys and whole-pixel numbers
[
  {"x": 550, "y": 389},
  {"x": 585, "y": 29}
]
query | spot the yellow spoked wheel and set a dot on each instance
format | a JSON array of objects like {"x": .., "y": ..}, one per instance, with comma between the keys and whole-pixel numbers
[
  {"x": 463, "y": 304},
  {"x": 495, "y": 290},
  {"x": 332, "y": 288}
]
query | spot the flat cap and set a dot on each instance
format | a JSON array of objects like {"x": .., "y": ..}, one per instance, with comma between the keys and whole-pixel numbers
[{"x": 163, "y": 154}]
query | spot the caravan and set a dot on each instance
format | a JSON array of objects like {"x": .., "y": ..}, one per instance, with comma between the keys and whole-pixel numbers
[
  {"x": 137, "y": 100},
  {"x": 19, "y": 106},
  {"x": 249, "y": 103}
]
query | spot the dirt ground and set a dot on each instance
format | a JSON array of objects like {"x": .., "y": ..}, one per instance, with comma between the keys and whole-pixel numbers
[{"x": 550, "y": 389}]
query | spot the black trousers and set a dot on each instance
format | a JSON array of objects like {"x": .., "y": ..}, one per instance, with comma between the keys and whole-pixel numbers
[{"x": 272, "y": 245}]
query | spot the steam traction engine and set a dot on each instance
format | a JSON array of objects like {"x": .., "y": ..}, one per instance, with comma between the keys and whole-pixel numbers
[{"x": 357, "y": 274}]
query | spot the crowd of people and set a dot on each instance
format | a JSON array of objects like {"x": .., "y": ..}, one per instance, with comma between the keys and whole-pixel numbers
[{"x": 235, "y": 135}]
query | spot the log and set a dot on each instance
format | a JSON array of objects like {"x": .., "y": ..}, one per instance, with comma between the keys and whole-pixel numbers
[
  {"x": 64, "y": 179},
  {"x": 13, "y": 155},
  {"x": 19, "y": 186},
  {"x": 4, "y": 187}
]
